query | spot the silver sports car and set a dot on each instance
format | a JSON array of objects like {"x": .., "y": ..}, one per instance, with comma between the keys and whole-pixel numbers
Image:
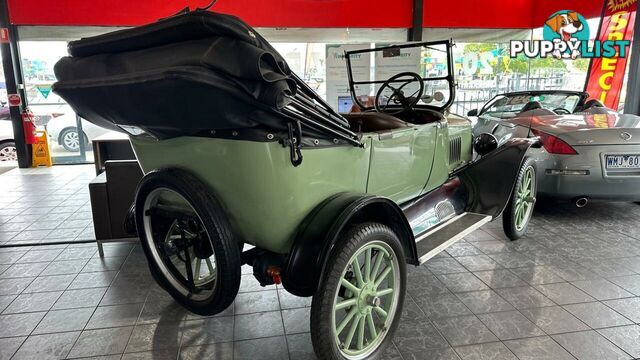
[{"x": 588, "y": 151}]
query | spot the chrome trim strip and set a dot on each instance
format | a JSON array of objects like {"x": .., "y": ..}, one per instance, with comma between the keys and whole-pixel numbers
[{"x": 452, "y": 240}]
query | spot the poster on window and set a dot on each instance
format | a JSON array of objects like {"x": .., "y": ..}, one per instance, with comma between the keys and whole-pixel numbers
[
  {"x": 338, "y": 95},
  {"x": 390, "y": 63}
]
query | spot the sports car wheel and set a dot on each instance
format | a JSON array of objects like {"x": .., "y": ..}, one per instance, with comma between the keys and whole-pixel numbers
[
  {"x": 188, "y": 241},
  {"x": 8, "y": 152},
  {"x": 517, "y": 214},
  {"x": 359, "y": 302}
]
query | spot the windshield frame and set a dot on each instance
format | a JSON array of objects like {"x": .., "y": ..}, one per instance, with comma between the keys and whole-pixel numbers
[
  {"x": 581, "y": 94},
  {"x": 427, "y": 44}
]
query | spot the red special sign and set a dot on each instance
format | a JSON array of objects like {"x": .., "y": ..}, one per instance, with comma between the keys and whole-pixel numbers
[
  {"x": 14, "y": 100},
  {"x": 606, "y": 75}
]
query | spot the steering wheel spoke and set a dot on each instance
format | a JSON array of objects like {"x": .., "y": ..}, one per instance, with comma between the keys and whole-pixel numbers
[{"x": 397, "y": 96}]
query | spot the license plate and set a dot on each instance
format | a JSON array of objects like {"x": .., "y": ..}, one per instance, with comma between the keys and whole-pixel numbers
[{"x": 623, "y": 161}]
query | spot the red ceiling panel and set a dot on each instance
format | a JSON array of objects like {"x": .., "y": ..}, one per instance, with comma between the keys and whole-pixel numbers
[
  {"x": 478, "y": 14},
  {"x": 258, "y": 13},
  {"x": 304, "y": 13},
  {"x": 544, "y": 8}
]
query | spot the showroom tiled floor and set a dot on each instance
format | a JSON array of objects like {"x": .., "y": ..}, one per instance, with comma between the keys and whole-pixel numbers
[{"x": 570, "y": 289}]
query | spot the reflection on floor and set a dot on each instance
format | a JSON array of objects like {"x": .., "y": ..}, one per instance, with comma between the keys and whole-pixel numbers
[
  {"x": 5, "y": 166},
  {"x": 569, "y": 289}
]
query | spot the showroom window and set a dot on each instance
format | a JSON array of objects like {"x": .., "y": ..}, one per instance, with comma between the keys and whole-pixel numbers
[{"x": 69, "y": 136}]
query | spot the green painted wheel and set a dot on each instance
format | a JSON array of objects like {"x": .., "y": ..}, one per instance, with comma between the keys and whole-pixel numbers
[
  {"x": 359, "y": 305},
  {"x": 518, "y": 212},
  {"x": 524, "y": 198}
]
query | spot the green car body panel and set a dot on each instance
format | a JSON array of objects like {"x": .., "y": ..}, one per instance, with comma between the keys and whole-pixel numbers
[{"x": 265, "y": 210}]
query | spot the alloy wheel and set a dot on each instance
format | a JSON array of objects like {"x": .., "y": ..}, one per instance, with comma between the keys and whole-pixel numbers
[
  {"x": 8, "y": 153},
  {"x": 71, "y": 140}
]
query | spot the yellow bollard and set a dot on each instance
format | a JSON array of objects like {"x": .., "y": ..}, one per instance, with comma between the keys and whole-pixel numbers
[{"x": 40, "y": 153}]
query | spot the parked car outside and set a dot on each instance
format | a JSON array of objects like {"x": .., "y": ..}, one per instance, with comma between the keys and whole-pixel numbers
[
  {"x": 7, "y": 144},
  {"x": 64, "y": 131}
]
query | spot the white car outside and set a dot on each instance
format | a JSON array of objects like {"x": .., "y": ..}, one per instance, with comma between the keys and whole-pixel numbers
[
  {"x": 64, "y": 131},
  {"x": 7, "y": 145}
]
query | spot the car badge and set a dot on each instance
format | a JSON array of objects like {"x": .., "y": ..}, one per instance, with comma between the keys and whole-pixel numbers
[{"x": 625, "y": 136}]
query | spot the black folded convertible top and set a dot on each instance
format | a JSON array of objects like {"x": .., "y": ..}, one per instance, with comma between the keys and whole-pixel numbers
[{"x": 190, "y": 74}]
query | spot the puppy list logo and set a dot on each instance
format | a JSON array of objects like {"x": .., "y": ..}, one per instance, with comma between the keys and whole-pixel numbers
[{"x": 566, "y": 36}]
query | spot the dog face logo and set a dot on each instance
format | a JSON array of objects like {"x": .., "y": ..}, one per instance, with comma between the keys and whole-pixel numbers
[{"x": 565, "y": 25}]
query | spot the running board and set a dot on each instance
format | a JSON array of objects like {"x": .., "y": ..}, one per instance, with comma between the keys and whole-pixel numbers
[{"x": 432, "y": 242}]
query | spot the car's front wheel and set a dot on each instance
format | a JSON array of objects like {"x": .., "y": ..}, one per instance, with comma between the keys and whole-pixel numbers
[
  {"x": 517, "y": 214},
  {"x": 8, "y": 151},
  {"x": 358, "y": 305},
  {"x": 70, "y": 140}
]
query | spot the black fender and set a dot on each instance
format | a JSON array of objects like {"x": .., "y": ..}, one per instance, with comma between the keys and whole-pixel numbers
[
  {"x": 491, "y": 179},
  {"x": 320, "y": 231}
]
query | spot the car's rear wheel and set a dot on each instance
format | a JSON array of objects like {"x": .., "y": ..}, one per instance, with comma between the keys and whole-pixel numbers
[
  {"x": 70, "y": 140},
  {"x": 8, "y": 151},
  {"x": 188, "y": 241},
  {"x": 358, "y": 305},
  {"x": 519, "y": 209}
]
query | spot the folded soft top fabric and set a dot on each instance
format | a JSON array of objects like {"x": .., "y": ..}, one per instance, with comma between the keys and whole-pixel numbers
[{"x": 178, "y": 76}]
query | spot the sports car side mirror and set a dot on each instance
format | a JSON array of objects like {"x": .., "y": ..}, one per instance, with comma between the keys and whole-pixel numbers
[
  {"x": 485, "y": 143},
  {"x": 473, "y": 112}
]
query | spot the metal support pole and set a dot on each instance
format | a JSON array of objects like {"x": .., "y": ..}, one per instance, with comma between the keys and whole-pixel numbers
[
  {"x": 14, "y": 83},
  {"x": 415, "y": 33},
  {"x": 632, "y": 101}
]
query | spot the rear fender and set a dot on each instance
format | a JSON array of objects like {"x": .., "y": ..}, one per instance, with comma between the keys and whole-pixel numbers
[
  {"x": 491, "y": 179},
  {"x": 321, "y": 230}
]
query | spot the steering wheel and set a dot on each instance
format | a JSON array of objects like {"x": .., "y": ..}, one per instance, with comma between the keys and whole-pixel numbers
[
  {"x": 398, "y": 97},
  {"x": 561, "y": 111}
]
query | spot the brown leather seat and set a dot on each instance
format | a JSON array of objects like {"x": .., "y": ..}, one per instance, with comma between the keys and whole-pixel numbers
[{"x": 374, "y": 121}]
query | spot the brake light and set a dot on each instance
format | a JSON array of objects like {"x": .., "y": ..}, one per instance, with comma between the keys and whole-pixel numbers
[
  {"x": 55, "y": 115},
  {"x": 554, "y": 145}
]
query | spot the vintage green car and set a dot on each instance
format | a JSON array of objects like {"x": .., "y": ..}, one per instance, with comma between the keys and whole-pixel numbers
[{"x": 244, "y": 164}]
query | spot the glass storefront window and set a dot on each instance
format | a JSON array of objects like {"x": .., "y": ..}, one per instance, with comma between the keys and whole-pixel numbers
[{"x": 69, "y": 136}]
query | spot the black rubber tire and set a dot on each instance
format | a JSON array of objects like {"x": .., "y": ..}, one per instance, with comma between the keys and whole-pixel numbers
[
  {"x": 321, "y": 305},
  {"x": 223, "y": 242},
  {"x": 508, "y": 216}
]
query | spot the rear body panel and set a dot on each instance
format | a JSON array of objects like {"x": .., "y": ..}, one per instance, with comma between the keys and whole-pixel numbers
[
  {"x": 598, "y": 182},
  {"x": 264, "y": 196},
  {"x": 593, "y": 136}
]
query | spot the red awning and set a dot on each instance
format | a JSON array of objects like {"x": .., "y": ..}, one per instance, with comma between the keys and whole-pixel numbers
[{"x": 514, "y": 14}]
